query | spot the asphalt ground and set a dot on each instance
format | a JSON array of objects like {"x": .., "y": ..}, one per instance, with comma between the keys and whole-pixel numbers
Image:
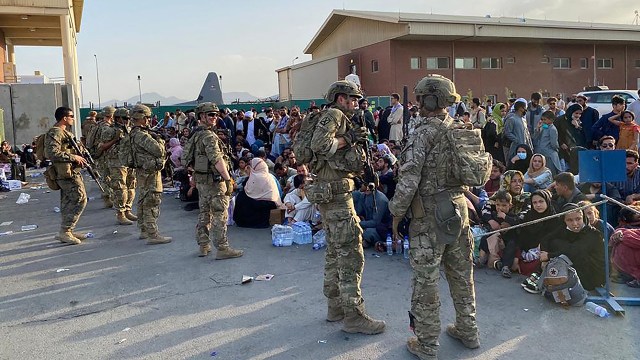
[{"x": 122, "y": 299}]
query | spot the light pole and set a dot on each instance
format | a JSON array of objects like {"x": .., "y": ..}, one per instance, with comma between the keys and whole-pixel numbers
[
  {"x": 81, "y": 93},
  {"x": 97, "y": 79},
  {"x": 140, "y": 89},
  {"x": 294, "y": 60}
]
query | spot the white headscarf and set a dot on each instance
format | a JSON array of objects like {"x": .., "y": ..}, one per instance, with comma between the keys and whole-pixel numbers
[{"x": 261, "y": 185}]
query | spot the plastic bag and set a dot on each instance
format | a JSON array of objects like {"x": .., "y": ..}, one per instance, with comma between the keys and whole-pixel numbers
[{"x": 23, "y": 198}]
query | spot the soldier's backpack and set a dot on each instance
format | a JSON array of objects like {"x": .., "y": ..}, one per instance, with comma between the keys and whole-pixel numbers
[
  {"x": 189, "y": 149},
  {"x": 560, "y": 282},
  {"x": 40, "y": 147},
  {"x": 50, "y": 174},
  {"x": 302, "y": 143},
  {"x": 92, "y": 140},
  {"x": 468, "y": 164},
  {"x": 126, "y": 154}
]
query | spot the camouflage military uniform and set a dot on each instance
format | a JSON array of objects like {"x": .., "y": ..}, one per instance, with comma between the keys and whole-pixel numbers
[
  {"x": 149, "y": 155},
  {"x": 87, "y": 125},
  {"x": 122, "y": 181},
  {"x": 344, "y": 259},
  {"x": 422, "y": 175},
  {"x": 73, "y": 197},
  {"x": 102, "y": 164}
]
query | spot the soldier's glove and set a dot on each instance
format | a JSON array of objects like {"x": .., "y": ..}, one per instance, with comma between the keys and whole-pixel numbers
[
  {"x": 355, "y": 135},
  {"x": 394, "y": 229},
  {"x": 229, "y": 183}
]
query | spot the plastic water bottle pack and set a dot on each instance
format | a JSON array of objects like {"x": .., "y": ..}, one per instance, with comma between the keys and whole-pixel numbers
[
  {"x": 302, "y": 233},
  {"x": 319, "y": 240},
  {"x": 281, "y": 235}
]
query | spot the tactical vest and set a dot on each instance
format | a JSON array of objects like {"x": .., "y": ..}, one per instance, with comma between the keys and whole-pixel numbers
[
  {"x": 348, "y": 159},
  {"x": 201, "y": 164}
]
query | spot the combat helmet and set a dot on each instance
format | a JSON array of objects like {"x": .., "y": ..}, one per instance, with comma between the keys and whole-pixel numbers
[
  {"x": 121, "y": 113},
  {"x": 207, "y": 107},
  {"x": 108, "y": 111},
  {"x": 436, "y": 92},
  {"x": 140, "y": 111},
  {"x": 343, "y": 87}
]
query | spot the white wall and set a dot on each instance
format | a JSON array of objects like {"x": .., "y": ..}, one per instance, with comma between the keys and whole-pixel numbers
[{"x": 312, "y": 81}]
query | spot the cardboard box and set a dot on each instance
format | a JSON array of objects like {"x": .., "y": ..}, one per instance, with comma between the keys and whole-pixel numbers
[{"x": 276, "y": 217}]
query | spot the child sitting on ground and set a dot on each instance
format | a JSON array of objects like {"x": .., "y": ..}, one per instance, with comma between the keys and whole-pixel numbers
[{"x": 497, "y": 214}]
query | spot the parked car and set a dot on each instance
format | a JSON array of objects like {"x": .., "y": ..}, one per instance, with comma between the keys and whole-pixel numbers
[{"x": 601, "y": 99}]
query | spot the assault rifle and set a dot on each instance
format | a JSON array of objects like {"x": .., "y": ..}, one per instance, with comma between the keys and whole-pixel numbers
[
  {"x": 90, "y": 163},
  {"x": 370, "y": 175}
]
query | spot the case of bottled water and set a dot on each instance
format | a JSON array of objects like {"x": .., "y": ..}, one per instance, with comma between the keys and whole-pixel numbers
[
  {"x": 281, "y": 235},
  {"x": 302, "y": 233}
]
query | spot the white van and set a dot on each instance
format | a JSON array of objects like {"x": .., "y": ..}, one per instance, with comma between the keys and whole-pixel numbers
[{"x": 601, "y": 99}]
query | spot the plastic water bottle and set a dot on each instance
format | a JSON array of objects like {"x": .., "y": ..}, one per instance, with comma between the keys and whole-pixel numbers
[
  {"x": 317, "y": 218},
  {"x": 399, "y": 247},
  {"x": 90, "y": 235},
  {"x": 319, "y": 240},
  {"x": 29, "y": 227},
  {"x": 389, "y": 245},
  {"x": 56, "y": 209},
  {"x": 406, "y": 247},
  {"x": 597, "y": 310}
]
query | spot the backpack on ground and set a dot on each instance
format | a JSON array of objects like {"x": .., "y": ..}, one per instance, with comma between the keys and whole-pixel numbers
[
  {"x": 126, "y": 154},
  {"x": 560, "y": 282},
  {"x": 468, "y": 163},
  {"x": 302, "y": 143}
]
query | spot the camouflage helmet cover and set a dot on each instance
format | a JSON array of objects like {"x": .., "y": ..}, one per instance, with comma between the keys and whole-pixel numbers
[
  {"x": 343, "y": 87},
  {"x": 108, "y": 110},
  {"x": 436, "y": 92},
  {"x": 121, "y": 113},
  {"x": 140, "y": 111},
  {"x": 207, "y": 107}
]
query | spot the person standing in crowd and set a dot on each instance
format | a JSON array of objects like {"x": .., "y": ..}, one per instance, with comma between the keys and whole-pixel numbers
[
  {"x": 333, "y": 139},
  {"x": 552, "y": 105},
  {"x": 363, "y": 104},
  {"x": 589, "y": 117},
  {"x": 282, "y": 138},
  {"x": 88, "y": 124},
  {"x": 427, "y": 249},
  {"x": 534, "y": 112},
  {"x": 545, "y": 140},
  {"x": 515, "y": 129},
  {"x": 213, "y": 181},
  {"x": 395, "y": 119},
  {"x": 477, "y": 115},
  {"x": 605, "y": 127},
  {"x": 149, "y": 153},
  {"x": 122, "y": 179},
  {"x": 101, "y": 162},
  {"x": 634, "y": 107},
  {"x": 67, "y": 164}
]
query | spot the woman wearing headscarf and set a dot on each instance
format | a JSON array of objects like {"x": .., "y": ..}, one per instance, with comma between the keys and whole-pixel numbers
[
  {"x": 520, "y": 161},
  {"x": 530, "y": 237},
  {"x": 538, "y": 176},
  {"x": 176, "y": 153},
  {"x": 570, "y": 132},
  {"x": 625, "y": 253},
  {"x": 513, "y": 181},
  {"x": 492, "y": 130},
  {"x": 258, "y": 197}
]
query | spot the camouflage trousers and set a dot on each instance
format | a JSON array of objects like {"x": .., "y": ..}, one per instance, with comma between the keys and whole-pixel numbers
[
  {"x": 102, "y": 166},
  {"x": 214, "y": 205},
  {"x": 426, "y": 254},
  {"x": 123, "y": 187},
  {"x": 73, "y": 200},
  {"x": 149, "y": 198},
  {"x": 344, "y": 259}
]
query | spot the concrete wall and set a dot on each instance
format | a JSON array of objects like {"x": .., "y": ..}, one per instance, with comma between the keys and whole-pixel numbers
[
  {"x": 3, "y": 55},
  {"x": 5, "y": 105},
  {"x": 33, "y": 109}
]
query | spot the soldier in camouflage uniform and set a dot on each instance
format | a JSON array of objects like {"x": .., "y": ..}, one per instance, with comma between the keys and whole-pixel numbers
[
  {"x": 422, "y": 188},
  {"x": 149, "y": 155},
  {"x": 338, "y": 159},
  {"x": 122, "y": 179},
  {"x": 211, "y": 175},
  {"x": 67, "y": 164},
  {"x": 88, "y": 124},
  {"x": 102, "y": 164}
]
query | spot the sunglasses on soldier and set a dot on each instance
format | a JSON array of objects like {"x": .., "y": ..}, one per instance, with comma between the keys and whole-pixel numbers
[{"x": 212, "y": 114}]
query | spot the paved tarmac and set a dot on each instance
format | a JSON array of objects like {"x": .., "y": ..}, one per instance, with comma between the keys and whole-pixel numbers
[{"x": 122, "y": 299}]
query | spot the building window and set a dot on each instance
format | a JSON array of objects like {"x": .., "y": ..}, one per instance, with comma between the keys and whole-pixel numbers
[
  {"x": 465, "y": 63},
  {"x": 584, "y": 63},
  {"x": 511, "y": 60},
  {"x": 416, "y": 63},
  {"x": 438, "y": 63},
  {"x": 605, "y": 63},
  {"x": 637, "y": 63},
  {"x": 561, "y": 63},
  {"x": 374, "y": 65},
  {"x": 491, "y": 63},
  {"x": 544, "y": 60}
]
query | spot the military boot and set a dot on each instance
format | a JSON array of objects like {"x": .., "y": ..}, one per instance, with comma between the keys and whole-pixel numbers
[
  {"x": 122, "y": 219},
  {"x": 335, "y": 311},
  {"x": 143, "y": 235},
  {"x": 205, "y": 249},
  {"x": 471, "y": 343},
  {"x": 157, "y": 239},
  {"x": 228, "y": 253},
  {"x": 79, "y": 236},
  {"x": 108, "y": 203},
  {"x": 130, "y": 215},
  {"x": 414, "y": 347},
  {"x": 357, "y": 321},
  {"x": 65, "y": 236}
]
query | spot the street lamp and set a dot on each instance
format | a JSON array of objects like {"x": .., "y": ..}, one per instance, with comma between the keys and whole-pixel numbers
[
  {"x": 97, "y": 79},
  {"x": 294, "y": 60},
  {"x": 139, "y": 89},
  {"x": 81, "y": 93}
]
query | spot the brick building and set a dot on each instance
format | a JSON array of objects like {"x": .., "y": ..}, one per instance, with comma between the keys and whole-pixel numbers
[{"x": 483, "y": 55}]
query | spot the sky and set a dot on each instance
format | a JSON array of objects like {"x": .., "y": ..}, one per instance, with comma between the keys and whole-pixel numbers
[{"x": 172, "y": 45}]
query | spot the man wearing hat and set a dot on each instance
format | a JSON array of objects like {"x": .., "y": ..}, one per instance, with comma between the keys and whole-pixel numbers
[
  {"x": 102, "y": 164},
  {"x": 149, "y": 157},
  {"x": 211, "y": 168},
  {"x": 122, "y": 179}
]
